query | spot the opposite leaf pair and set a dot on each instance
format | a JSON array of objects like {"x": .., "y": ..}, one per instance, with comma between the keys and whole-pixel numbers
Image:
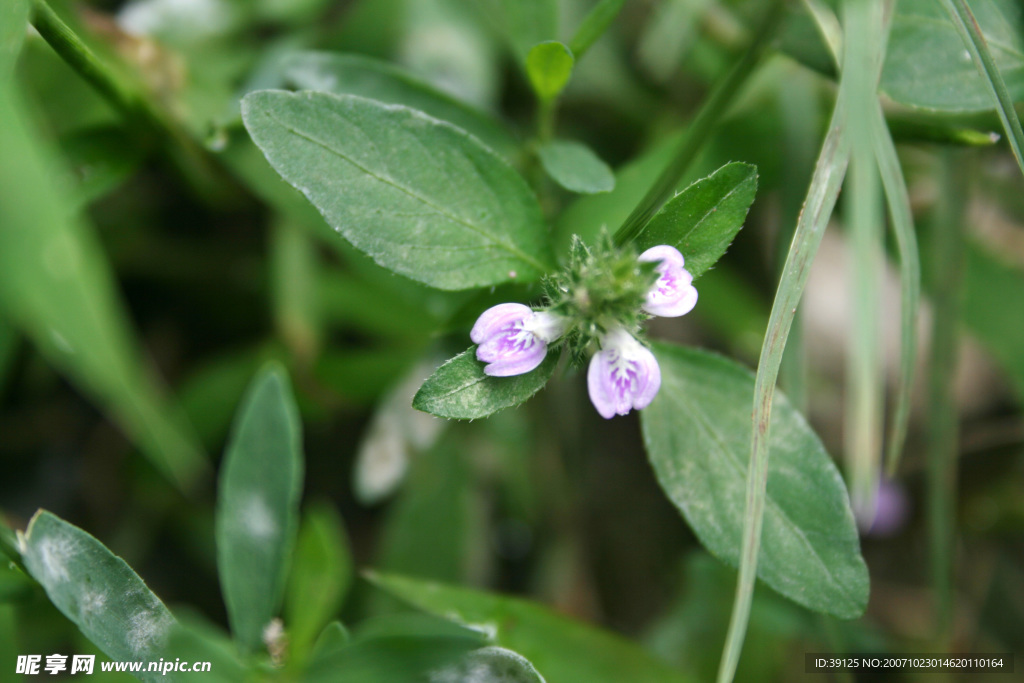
[{"x": 513, "y": 339}]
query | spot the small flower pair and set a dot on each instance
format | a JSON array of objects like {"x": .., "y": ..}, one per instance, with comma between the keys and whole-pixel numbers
[{"x": 513, "y": 339}]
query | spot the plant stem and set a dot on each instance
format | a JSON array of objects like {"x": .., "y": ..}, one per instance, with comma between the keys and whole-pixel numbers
[
  {"x": 148, "y": 123},
  {"x": 700, "y": 129},
  {"x": 977, "y": 46}
]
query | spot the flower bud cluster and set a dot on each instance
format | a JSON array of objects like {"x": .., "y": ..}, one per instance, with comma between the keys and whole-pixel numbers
[{"x": 601, "y": 298}]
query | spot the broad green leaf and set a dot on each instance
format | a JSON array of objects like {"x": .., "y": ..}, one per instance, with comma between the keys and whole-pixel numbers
[
  {"x": 563, "y": 650},
  {"x": 97, "y": 591},
  {"x": 13, "y": 27},
  {"x": 575, "y": 167},
  {"x": 348, "y": 74},
  {"x": 395, "y": 649},
  {"x": 697, "y": 434},
  {"x": 459, "y": 389},
  {"x": 420, "y": 196},
  {"x": 492, "y": 664},
  {"x": 702, "y": 220},
  {"x": 319, "y": 578},
  {"x": 549, "y": 66},
  {"x": 257, "y": 504},
  {"x": 927, "y": 66},
  {"x": 57, "y": 287}
]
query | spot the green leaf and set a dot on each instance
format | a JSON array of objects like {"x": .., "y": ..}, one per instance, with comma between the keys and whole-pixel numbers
[
  {"x": 97, "y": 591},
  {"x": 257, "y": 504},
  {"x": 333, "y": 638},
  {"x": 563, "y": 650},
  {"x": 549, "y": 66},
  {"x": 13, "y": 27},
  {"x": 395, "y": 649},
  {"x": 57, "y": 287},
  {"x": 702, "y": 220},
  {"x": 193, "y": 639},
  {"x": 319, "y": 579},
  {"x": 348, "y": 74},
  {"x": 576, "y": 168},
  {"x": 459, "y": 389},
  {"x": 927, "y": 66},
  {"x": 493, "y": 664},
  {"x": 697, "y": 436},
  {"x": 524, "y": 23},
  {"x": 100, "y": 160},
  {"x": 420, "y": 196},
  {"x": 594, "y": 25}
]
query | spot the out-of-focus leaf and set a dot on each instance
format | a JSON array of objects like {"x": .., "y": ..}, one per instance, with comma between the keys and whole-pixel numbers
[
  {"x": 363, "y": 375},
  {"x": 345, "y": 74},
  {"x": 927, "y": 66},
  {"x": 492, "y": 664},
  {"x": 991, "y": 287},
  {"x": 97, "y": 591},
  {"x": 14, "y": 585},
  {"x": 319, "y": 579},
  {"x": 13, "y": 26},
  {"x": 563, "y": 650},
  {"x": 549, "y": 67},
  {"x": 421, "y": 197},
  {"x": 192, "y": 639},
  {"x": 101, "y": 159},
  {"x": 8, "y": 346},
  {"x": 295, "y": 277},
  {"x": 575, "y": 167},
  {"x": 594, "y": 25},
  {"x": 459, "y": 389},
  {"x": 57, "y": 287},
  {"x": 697, "y": 436},
  {"x": 257, "y": 504},
  {"x": 334, "y": 637},
  {"x": 524, "y": 23},
  {"x": 702, "y": 220},
  {"x": 395, "y": 649}
]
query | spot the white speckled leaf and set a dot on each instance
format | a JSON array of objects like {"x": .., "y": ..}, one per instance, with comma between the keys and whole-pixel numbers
[
  {"x": 97, "y": 591},
  {"x": 257, "y": 504},
  {"x": 420, "y": 196},
  {"x": 491, "y": 664}
]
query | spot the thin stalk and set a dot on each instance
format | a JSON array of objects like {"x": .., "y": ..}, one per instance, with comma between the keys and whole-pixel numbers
[
  {"x": 821, "y": 199},
  {"x": 942, "y": 432},
  {"x": 977, "y": 46},
  {"x": 149, "y": 123},
  {"x": 902, "y": 220},
  {"x": 703, "y": 124}
]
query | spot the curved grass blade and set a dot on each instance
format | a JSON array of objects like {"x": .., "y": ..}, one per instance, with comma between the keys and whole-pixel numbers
[
  {"x": 977, "y": 45},
  {"x": 594, "y": 25}
]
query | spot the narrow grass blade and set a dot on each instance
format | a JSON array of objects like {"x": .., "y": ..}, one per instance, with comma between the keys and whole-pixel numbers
[
  {"x": 594, "y": 25},
  {"x": 977, "y": 46},
  {"x": 902, "y": 221}
]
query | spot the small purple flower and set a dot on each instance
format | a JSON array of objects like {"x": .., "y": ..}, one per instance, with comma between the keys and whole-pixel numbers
[
  {"x": 513, "y": 339},
  {"x": 622, "y": 375},
  {"x": 673, "y": 294}
]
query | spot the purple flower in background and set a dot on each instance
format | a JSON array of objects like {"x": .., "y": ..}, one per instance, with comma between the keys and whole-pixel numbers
[
  {"x": 673, "y": 294},
  {"x": 513, "y": 339},
  {"x": 623, "y": 375}
]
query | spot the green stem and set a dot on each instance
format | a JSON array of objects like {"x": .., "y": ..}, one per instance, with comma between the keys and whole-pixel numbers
[
  {"x": 942, "y": 431},
  {"x": 146, "y": 121},
  {"x": 977, "y": 46},
  {"x": 700, "y": 129}
]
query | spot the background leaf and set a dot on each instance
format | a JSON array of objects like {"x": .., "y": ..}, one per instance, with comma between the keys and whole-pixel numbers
[
  {"x": 57, "y": 287},
  {"x": 459, "y": 389},
  {"x": 97, "y": 591},
  {"x": 702, "y": 220},
  {"x": 563, "y": 650},
  {"x": 575, "y": 167},
  {"x": 549, "y": 66},
  {"x": 454, "y": 220},
  {"x": 348, "y": 74},
  {"x": 257, "y": 504},
  {"x": 697, "y": 442},
  {"x": 926, "y": 64},
  {"x": 13, "y": 27}
]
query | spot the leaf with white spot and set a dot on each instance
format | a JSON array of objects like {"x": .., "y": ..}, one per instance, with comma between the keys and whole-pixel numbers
[
  {"x": 96, "y": 590},
  {"x": 489, "y": 665},
  {"x": 257, "y": 504}
]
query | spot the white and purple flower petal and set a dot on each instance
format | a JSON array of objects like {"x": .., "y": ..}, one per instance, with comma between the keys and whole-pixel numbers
[
  {"x": 673, "y": 294},
  {"x": 623, "y": 375},
  {"x": 513, "y": 339}
]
